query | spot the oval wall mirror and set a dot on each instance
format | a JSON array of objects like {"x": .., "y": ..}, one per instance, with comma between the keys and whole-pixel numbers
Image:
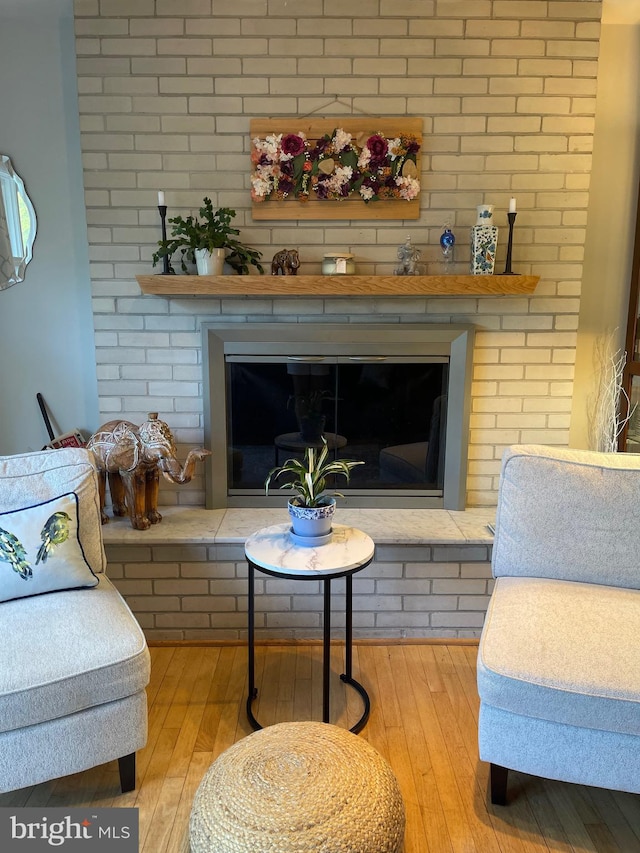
[{"x": 17, "y": 226}]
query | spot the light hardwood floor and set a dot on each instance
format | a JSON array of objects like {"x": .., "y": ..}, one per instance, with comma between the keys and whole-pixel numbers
[{"x": 423, "y": 720}]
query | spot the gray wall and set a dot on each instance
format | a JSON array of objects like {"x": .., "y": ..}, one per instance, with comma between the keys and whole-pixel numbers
[{"x": 46, "y": 326}]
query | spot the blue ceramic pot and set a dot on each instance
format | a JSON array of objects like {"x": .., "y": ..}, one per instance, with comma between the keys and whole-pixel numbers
[{"x": 312, "y": 520}]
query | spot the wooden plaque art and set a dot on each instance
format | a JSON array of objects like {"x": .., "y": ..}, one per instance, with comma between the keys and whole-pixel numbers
[{"x": 320, "y": 169}]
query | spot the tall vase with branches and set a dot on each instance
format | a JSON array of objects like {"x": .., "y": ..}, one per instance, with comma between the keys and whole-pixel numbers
[{"x": 610, "y": 407}]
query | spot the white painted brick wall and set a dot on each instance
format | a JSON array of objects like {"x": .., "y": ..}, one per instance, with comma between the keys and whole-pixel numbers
[
  {"x": 200, "y": 593},
  {"x": 506, "y": 92}
]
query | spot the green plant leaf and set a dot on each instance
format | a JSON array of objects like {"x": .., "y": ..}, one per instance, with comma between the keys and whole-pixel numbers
[
  {"x": 310, "y": 475},
  {"x": 213, "y": 232}
]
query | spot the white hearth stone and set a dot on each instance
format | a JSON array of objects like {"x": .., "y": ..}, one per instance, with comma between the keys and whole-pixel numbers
[{"x": 183, "y": 525}]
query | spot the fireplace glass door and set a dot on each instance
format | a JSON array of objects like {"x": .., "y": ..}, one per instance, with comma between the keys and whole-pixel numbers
[{"x": 389, "y": 412}]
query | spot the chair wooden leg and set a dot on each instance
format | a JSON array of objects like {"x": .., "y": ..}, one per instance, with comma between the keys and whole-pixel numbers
[
  {"x": 498, "y": 784},
  {"x": 127, "y": 768}
]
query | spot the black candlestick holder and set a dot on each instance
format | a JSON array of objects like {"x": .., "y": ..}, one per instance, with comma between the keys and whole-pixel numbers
[
  {"x": 166, "y": 266},
  {"x": 507, "y": 267}
]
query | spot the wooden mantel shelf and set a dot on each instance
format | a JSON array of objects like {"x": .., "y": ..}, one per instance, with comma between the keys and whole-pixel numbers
[{"x": 337, "y": 285}]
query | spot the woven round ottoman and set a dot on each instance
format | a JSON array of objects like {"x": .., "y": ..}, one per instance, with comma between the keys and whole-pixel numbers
[{"x": 298, "y": 788}]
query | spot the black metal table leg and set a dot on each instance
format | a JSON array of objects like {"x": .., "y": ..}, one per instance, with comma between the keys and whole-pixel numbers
[
  {"x": 348, "y": 653},
  {"x": 251, "y": 644},
  {"x": 347, "y": 675},
  {"x": 326, "y": 653}
]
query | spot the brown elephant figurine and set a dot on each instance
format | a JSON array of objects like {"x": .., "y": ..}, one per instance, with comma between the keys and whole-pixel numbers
[
  {"x": 134, "y": 457},
  {"x": 285, "y": 262}
]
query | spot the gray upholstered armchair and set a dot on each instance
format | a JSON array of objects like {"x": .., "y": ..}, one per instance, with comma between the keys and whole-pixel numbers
[
  {"x": 74, "y": 663},
  {"x": 559, "y": 658}
]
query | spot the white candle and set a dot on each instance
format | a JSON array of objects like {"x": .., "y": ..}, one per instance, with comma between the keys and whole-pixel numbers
[
  {"x": 512, "y": 205},
  {"x": 161, "y": 200}
]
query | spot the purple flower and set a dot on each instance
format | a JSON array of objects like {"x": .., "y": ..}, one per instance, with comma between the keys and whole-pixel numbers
[
  {"x": 319, "y": 148},
  {"x": 286, "y": 168},
  {"x": 285, "y": 185},
  {"x": 378, "y": 147},
  {"x": 413, "y": 147},
  {"x": 292, "y": 144}
]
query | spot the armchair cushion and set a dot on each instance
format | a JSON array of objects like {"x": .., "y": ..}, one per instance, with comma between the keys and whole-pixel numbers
[
  {"x": 67, "y": 652},
  {"x": 40, "y": 549},
  {"x": 32, "y": 478},
  {"x": 570, "y": 515},
  {"x": 530, "y": 664}
]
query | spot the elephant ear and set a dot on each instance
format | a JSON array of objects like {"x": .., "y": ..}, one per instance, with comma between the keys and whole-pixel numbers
[
  {"x": 118, "y": 446},
  {"x": 126, "y": 446}
]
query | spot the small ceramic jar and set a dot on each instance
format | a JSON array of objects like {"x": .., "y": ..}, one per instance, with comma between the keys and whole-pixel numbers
[{"x": 335, "y": 263}]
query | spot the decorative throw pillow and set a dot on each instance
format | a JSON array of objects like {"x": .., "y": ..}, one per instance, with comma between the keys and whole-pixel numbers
[{"x": 41, "y": 551}]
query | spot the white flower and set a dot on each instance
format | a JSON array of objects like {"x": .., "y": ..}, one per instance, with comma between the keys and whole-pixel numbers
[
  {"x": 263, "y": 180},
  {"x": 364, "y": 158},
  {"x": 260, "y": 185},
  {"x": 395, "y": 148},
  {"x": 366, "y": 193},
  {"x": 341, "y": 139},
  {"x": 270, "y": 146},
  {"x": 342, "y": 175},
  {"x": 409, "y": 187}
]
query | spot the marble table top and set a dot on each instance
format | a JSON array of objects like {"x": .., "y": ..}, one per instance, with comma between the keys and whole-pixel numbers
[{"x": 272, "y": 548}]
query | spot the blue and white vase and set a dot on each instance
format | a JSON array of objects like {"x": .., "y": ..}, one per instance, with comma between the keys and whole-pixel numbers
[{"x": 484, "y": 241}]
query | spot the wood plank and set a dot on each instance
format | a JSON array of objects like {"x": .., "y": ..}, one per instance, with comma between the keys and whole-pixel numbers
[
  {"x": 179, "y": 838},
  {"x": 626, "y": 833},
  {"x": 337, "y": 285},
  {"x": 152, "y": 784},
  {"x": 192, "y": 720},
  {"x": 444, "y": 773},
  {"x": 164, "y": 814},
  {"x": 329, "y": 209},
  {"x": 434, "y": 824},
  {"x": 208, "y": 730}
]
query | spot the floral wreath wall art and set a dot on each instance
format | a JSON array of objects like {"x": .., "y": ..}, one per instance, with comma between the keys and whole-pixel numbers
[{"x": 336, "y": 168}]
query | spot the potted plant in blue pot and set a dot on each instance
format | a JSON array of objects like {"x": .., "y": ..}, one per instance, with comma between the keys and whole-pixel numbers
[{"x": 311, "y": 509}]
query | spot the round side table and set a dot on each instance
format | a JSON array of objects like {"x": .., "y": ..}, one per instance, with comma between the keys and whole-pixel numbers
[{"x": 272, "y": 552}]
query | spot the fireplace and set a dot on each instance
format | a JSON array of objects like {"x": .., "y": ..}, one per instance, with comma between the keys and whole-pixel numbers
[{"x": 393, "y": 395}]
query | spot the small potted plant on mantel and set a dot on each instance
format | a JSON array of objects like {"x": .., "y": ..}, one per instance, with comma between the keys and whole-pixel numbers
[
  {"x": 208, "y": 243},
  {"x": 311, "y": 509}
]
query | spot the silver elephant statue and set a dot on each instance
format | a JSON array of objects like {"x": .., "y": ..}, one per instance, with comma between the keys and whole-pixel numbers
[{"x": 133, "y": 458}]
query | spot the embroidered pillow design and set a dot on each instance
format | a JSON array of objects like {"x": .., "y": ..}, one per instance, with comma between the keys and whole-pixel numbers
[{"x": 41, "y": 551}]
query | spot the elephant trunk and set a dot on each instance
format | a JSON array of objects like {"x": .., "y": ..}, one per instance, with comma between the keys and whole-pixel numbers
[{"x": 173, "y": 471}]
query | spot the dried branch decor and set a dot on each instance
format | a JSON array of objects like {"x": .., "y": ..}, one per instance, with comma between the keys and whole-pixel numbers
[{"x": 609, "y": 401}]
